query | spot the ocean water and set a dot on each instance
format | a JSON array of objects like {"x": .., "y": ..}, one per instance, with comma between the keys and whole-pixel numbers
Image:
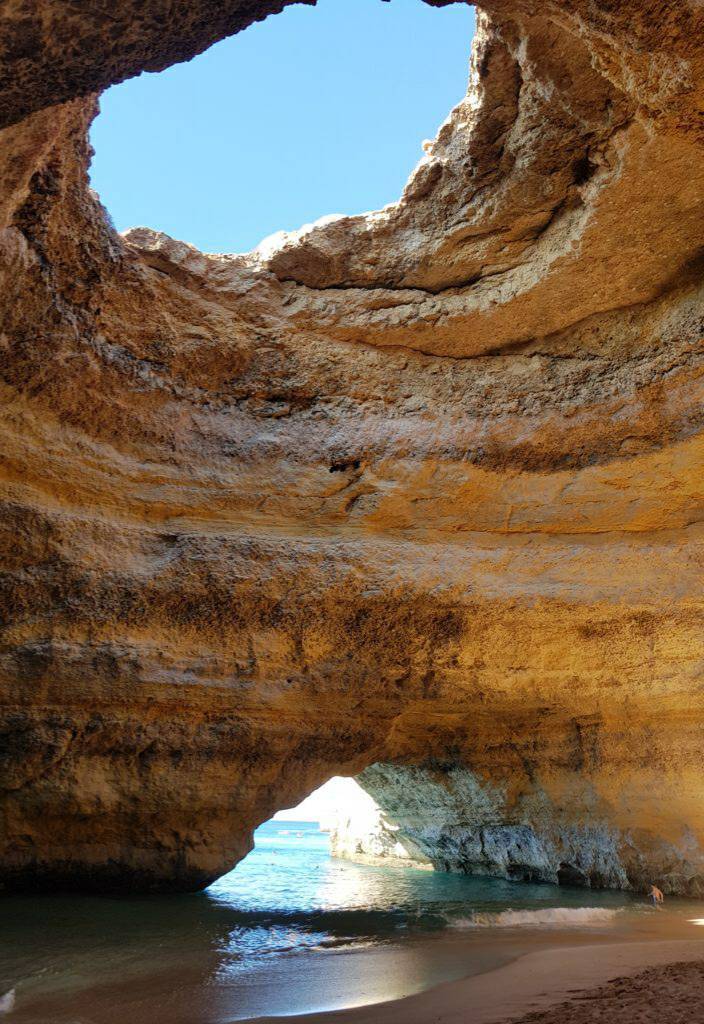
[{"x": 290, "y": 930}]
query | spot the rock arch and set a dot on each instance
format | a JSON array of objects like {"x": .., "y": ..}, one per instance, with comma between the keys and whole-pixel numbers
[{"x": 502, "y": 576}]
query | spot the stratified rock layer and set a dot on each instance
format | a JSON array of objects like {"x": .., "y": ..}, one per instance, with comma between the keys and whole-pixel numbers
[{"x": 419, "y": 488}]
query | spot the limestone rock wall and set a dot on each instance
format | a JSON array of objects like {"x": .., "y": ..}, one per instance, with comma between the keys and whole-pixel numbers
[
  {"x": 364, "y": 833},
  {"x": 464, "y": 822},
  {"x": 419, "y": 488}
]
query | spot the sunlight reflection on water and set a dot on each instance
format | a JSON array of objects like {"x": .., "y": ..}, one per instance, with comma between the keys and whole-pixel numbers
[{"x": 290, "y": 930}]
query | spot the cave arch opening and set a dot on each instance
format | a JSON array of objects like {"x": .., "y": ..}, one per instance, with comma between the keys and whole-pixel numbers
[
  {"x": 436, "y": 817},
  {"x": 313, "y": 113},
  {"x": 447, "y": 819}
]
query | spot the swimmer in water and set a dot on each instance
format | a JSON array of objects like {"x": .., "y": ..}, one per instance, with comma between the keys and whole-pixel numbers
[{"x": 656, "y": 896}]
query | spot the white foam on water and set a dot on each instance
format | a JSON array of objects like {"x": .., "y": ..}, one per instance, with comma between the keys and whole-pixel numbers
[{"x": 555, "y": 917}]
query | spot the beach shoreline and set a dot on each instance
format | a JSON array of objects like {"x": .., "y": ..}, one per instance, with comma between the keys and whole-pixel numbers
[{"x": 532, "y": 983}]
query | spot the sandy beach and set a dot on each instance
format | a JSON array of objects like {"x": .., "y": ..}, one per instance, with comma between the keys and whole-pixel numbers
[
  {"x": 671, "y": 994},
  {"x": 630, "y": 982}
]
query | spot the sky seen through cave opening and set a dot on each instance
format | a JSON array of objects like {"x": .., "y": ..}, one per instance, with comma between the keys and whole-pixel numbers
[{"x": 315, "y": 111}]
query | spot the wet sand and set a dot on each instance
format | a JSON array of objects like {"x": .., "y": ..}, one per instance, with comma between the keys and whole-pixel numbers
[{"x": 610, "y": 983}]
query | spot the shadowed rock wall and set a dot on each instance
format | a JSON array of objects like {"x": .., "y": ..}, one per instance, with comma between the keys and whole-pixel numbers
[{"x": 420, "y": 487}]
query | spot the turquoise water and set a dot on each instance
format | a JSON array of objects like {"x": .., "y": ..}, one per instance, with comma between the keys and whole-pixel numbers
[
  {"x": 291, "y": 886},
  {"x": 289, "y": 930}
]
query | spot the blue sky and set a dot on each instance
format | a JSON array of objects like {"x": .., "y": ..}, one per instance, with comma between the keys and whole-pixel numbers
[{"x": 315, "y": 111}]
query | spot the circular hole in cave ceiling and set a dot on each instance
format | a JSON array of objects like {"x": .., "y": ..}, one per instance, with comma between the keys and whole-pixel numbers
[{"x": 317, "y": 110}]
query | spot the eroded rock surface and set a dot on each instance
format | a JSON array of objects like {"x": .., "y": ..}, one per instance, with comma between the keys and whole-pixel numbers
[
  {"x": 419, "y": 488},
  {"x": 365, "y": 833},
  {"x": 458, "y": 821}
]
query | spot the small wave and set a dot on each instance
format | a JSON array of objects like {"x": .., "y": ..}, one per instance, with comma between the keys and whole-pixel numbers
[{"x": 555, "y": 917}]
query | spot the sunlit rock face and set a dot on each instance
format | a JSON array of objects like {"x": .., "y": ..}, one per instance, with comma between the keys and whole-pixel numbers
[
  {"x": 363, "y": 832},
  {"x": 457, "y": 821},
  {"x": 419, "y": 488}
]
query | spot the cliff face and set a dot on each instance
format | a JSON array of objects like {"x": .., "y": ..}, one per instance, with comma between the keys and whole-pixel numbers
[
  {"x": 456, "y": 820},
  {"x": 419, "y": 488}
]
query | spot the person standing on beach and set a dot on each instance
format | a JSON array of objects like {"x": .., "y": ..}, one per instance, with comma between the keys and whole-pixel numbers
[{"x": 656, "y": 896}]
